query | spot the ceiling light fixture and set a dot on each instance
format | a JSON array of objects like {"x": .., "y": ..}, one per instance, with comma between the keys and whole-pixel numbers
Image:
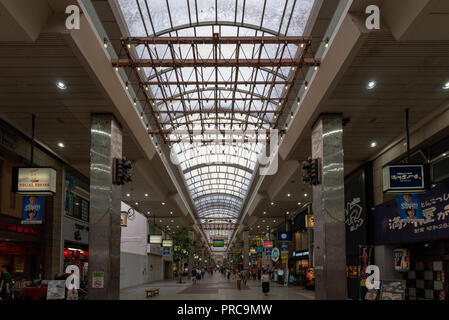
[
  {"x": 371, "y": 85},
  {"x": 305, "y": 194},
  {"x": 373, "y": 144},
  {"x": 128, "y": 195},
  {"x": 446, "y": 86},
  {"x": 61, "y": 145},
  {"x": 146, "y": 194},
  {"x": 61, "y": 85},
  {"x": 163, "y": 203}
]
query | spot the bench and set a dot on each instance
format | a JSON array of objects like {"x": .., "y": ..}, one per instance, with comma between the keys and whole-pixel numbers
[{"x": 151, "y": 292}]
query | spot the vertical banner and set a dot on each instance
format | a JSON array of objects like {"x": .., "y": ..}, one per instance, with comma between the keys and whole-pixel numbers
[{"x": 32, "y": 208}]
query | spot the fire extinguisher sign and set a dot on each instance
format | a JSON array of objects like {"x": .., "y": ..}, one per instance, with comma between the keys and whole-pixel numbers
[{"x": 98, "y": 279}]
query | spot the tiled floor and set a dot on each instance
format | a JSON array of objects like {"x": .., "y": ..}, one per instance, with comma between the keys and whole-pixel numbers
[{"x": 216, "y": 287}]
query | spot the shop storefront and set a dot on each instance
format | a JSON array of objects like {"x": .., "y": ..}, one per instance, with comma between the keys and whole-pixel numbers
[
  {"x": 21, "y": 248},
  {"x": 420, "y": 249}
]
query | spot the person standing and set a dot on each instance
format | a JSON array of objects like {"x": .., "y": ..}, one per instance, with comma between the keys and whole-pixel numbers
[
  {"x": 6, "y": 286},
  {"x": 265, "y": 280},
  {"x": 239, "y": 280},
  {"x": 194, "y": 275}
]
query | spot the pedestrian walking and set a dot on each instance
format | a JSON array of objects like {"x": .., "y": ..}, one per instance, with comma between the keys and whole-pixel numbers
[{"x": 265, "y": 280}]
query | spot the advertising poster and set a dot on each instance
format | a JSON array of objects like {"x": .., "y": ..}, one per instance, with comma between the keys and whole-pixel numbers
[
  {"x": 389, "y": 228},
  {"x": 393, "y": 290},
  {"x": 98, "y": 279},
  {"x": 32, "y": 208},
  {"x": 409, "y": 206},
  {"x": 401, "y": 260}
]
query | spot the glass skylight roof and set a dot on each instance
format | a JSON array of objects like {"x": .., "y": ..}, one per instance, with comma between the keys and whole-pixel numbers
[{"x": 218, "y": 175}]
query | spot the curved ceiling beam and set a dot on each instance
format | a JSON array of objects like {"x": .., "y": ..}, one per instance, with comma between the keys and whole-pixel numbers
[{"x": 233, "y": 165}]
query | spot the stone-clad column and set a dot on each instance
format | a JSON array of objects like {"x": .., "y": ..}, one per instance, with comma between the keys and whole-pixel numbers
[
  {"x": 328, "y": 208},
  {"x": 105, "y": 197}
]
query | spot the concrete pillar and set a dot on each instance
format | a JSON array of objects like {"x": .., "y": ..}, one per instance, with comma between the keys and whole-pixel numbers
[
  {"x": 245, "y": 249},
  {"x": 328, "y": 207},
  {"x": 104, "y": 224}
]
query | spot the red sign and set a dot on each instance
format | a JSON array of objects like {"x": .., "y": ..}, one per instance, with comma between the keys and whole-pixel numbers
[
  {"x": 268, "y": 244},
  {"x": 21, "y": 229}
]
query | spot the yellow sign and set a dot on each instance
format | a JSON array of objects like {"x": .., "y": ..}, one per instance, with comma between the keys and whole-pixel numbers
[{"x": 309, "y": 221}]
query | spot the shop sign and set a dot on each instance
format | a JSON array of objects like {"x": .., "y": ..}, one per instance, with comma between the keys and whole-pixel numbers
[
  {"x": 155, "y": 239},
  {"x": 309, "y": 221},
  {"x": 284, "y": 236},
  {"x": 401, "y": 260},
  {"x": 32, "y": 208},
  {"x": 389, "y": 228},
  {"x": 34, "y": 181},
  {"x": 166, "y": 251},
  {"x": 98, "y": 279},
  {"x": 259, "y": 249},
  {"x": 124, "y": 219},
  {"x": 275, "y": 254},
  {"x": 268, "y": 244},
  {"x": 405, "y": 178},
  {"x": 298, "y": 254},
  {"x": 11, "y": 227},
  {"x": 167, "y": 243}
]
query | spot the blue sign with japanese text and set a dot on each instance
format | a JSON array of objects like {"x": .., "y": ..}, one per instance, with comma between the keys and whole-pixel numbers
[
  {"x": 284, "y": 246},
  {"x": 390, "y": 228},
  {"x": 403, "y": 178}
]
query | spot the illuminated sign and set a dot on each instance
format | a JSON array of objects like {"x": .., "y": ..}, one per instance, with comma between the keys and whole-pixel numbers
[
  {"x": 167, "y": 243},
  {"x": 405, "y": 178},
  {"x": 155, "y": 239},
  {"x": 309, "y": 221},
  {"x": 268, "y": 244},
  {"x": 34, "y": 181}
]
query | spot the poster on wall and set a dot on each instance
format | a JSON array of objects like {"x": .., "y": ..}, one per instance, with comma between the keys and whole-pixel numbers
[
  {"x": 32, "y": 208},
  {"x": 401, "y": 260},
  {"x": 409, "y": 206},
  {"x": 392, "y": 290},
  {"x": 389, "y": 228}
]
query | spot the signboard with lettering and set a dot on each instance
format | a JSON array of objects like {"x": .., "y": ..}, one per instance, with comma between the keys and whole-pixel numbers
[
  {"x": 309, "y": 221},
  {"x": 405, "y": 178},
  {"x": 34, "y": 181},
  {"x": 167, "y": 243},
  {"x": 389, "y": 228},
  {"x": 267, "y": 244},
  {"x": 32, "y": 208}
]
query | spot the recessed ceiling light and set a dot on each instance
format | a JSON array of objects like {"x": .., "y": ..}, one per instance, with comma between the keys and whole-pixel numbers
[
  {"x": 371, "y": 85},
  {"x": 287, "y": 212},
  {"x": 61, "y": 145},
  {"x": 171, "y": 212},
  {"x": 373, "y": 144},
  {"x": 137, "y": 203},
  {"x": 263, "y": 221},
  {"x": 160, "y": 220},
  {"x": 128, "y": 195},
  {"x": 446, "y": 86},
  {"x": 163, "y": 203},
  {"x": 264, "y": 212},
  {"x": 146, "y": 194},
  {"x": 299, "y": 203},
  {"x": 272, "y": 203},
  {"x": 305, "y": 194},
  {"x": 288, "y": 195},
  {"x": 61, "y": 85}
]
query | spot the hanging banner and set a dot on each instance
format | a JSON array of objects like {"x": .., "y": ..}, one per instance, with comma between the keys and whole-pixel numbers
[
  {"x": 32, "y": 208},
  {"x": 284, "y": 246},
  {"x": 389, "y": 228},
  {"x": 309, "y": 221},
  {"x": 284, "y": 236},
  {"x": 409, "y": 206}
]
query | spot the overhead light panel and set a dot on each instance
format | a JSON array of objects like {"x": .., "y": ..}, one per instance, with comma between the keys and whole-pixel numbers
[
  {"x": 61, "y": 85},
  {"x": 371, "y": 85}
]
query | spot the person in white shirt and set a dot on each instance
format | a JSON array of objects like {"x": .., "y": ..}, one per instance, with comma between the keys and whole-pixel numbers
[{"x": 265, "y": 280}]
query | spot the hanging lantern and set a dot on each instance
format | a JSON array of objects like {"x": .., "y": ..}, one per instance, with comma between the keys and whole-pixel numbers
[
  {"x": 86, "y": 255},
  {"x": 66, "y": 253},
  {"x": 76, "y": 254}
]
